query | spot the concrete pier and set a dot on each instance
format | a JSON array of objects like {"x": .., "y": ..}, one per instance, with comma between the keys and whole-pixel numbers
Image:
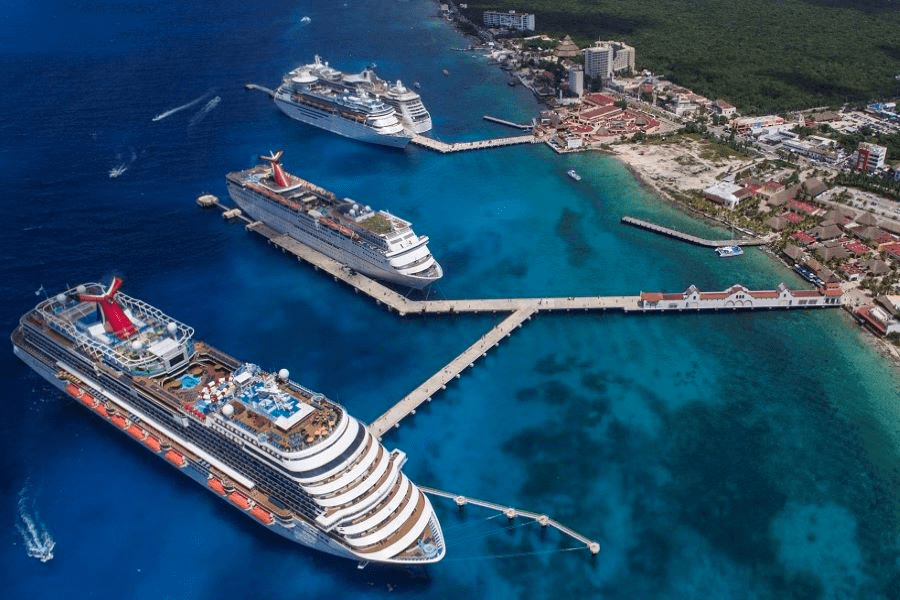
[
  {"x": 737, "y": 297},
  {"x": 693, "y": 239},
  {"x": 445, "y": 148},
  {"x": 512, "y": 513},
  {"x": 438, "y": 381},
  {"x": 522, "y": 126}
]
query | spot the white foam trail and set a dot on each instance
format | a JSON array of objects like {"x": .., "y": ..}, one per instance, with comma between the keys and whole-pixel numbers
[
  {"x": 172, "y": 111},
  {"x": 117, "y": 170},
  {"x": 201, "y": 114},
  {"x": 38, "y": 541}
]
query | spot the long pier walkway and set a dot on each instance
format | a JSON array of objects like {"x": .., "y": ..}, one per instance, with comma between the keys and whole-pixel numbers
[
  {"x": 439, "y": 380},
  {"x": 499, "y": 121},
  {"x": 445, "y": 148},
  {"x": 737, "y": 297},
  {"x": 693, "y": 239},
  {"x": 512, "y": 513}
]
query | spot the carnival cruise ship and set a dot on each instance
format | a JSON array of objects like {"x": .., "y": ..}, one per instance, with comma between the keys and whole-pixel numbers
[
  {"x": 287, "y": 457},
  {"x": 309, "y": 98},
  {"x": 378, "y": 244}
]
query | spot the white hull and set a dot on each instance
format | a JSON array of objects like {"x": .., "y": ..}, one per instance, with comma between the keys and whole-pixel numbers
[
  {"x": 305, "y": 230},
  {"x": 341, "y": 126}
]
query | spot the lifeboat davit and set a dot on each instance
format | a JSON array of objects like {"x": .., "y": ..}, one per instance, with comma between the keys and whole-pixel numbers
[
  {"x": 239, "y": 500},
  {"x": 136, "y": 432},
  {"x": 175, "y": 458},
  {"x": 262, "y": 515},
  {"x": 216, "y": 486},
  {"x": 152, "y": 443}
]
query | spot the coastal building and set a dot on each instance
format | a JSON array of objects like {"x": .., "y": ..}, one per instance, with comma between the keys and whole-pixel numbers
[
  {"x": 576, "y": 81},
  {"x": 756, "y": 125},
  {"x": 738, "y": 296},
  {"x": 724, "y": 193},
  {"x": 566, "y": 48},
  {"x": 813, "y": 147},
  {"x": 607, "y": 57},
  {"x": 869, "y": 157},
  {"x": 509, "y": 20},
  {"x": 722, "y": 108}
]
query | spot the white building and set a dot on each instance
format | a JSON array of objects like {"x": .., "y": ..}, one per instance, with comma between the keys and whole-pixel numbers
[
  {"x": 723, "y": 192},
  {"x": 605, "y": 58},
  {"x": 576, "y": 81},
  {"x": 509, "y": 20},
  {"x": 869, "y": 157}
]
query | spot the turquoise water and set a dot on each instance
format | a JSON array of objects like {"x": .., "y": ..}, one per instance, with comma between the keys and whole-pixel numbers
[{"x": 749, "y": 455}]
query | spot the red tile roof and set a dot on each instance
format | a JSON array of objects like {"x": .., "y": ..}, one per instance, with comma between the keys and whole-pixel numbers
[
  {"x": 599, "y": 100},
  {"x": 792, "y": 217},
  {"x": 651, "y": 296},
  {"x": 803, "y": 237},
  {"x": 805, "y": 207}
]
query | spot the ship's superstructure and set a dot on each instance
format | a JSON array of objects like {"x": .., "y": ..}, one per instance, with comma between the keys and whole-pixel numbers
[
  {"x": 286, "y": 456},
  {"x": 377, "y": 244},
  {"x": 315, "y": 99}
]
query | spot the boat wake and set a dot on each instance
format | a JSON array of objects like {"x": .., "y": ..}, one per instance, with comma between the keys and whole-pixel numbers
[
  {"x": 117, "y": 170},
  {"x": 120, "y": 168},
  {"x": 38, "y": 541},
  {"x": 201, "y": 114},
  {"x": 172, "y": 111}
]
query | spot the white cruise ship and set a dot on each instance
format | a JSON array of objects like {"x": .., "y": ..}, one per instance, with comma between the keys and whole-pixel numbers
[
  {"x": 283, "y": 455},
  {"x": 357, "y": 115},
  {"x": 378, "y": 244}
]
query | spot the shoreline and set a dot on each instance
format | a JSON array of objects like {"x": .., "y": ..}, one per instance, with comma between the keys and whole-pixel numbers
[
  {"x": 885, "y": 349},
  {"x": 627, "y": 157}
]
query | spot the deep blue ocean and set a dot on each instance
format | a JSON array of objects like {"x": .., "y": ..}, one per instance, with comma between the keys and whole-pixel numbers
[{"x": 712, "y": 456}]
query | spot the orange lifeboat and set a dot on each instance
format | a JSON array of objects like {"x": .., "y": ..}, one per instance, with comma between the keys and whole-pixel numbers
[
  {"x": 136, "y": 432},
  {"x": 262, "y": 515},
  {"x": 152, "y": 443},
  {"x": 88, "y": 400},
  {"x": 119, "y": 421},
  {"x": 73, "y": 390},
  {"x": 175, "y": 458},
  {"x": 100, "y": 409},
  {"x": 216, "y": 486},
  {"x": 239, "y": 500}
]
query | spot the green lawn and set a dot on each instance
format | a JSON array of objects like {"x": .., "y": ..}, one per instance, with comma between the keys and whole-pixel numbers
[{"x": 762, "y": 56}]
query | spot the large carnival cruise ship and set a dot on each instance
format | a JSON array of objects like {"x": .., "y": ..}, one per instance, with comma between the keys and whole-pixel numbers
[
  {"x": 313, "y": 98},
  {"x": 286, "y": 456},
  {"x": 377, "y": 244}
]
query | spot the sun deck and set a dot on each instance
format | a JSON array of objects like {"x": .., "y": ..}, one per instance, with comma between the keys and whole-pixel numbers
[{"x": 266, "y": 409}]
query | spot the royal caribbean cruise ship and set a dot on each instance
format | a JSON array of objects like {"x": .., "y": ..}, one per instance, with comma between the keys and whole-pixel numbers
[
  {"x": 407, "y": 103},
  {"x": 286, "y": 456},
  {"x": 309, "y": 98},
  {"x": 378, "y": 244}
]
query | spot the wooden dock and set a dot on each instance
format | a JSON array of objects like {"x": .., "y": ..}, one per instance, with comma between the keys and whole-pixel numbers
[
  {"x": 512, "y": 513},
  {"x": 445, "y": 148},
  {"x": 693, "y": 239}
]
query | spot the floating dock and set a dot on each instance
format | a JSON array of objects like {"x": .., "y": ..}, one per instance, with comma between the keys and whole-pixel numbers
[{"x": 693, "y": 239}]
